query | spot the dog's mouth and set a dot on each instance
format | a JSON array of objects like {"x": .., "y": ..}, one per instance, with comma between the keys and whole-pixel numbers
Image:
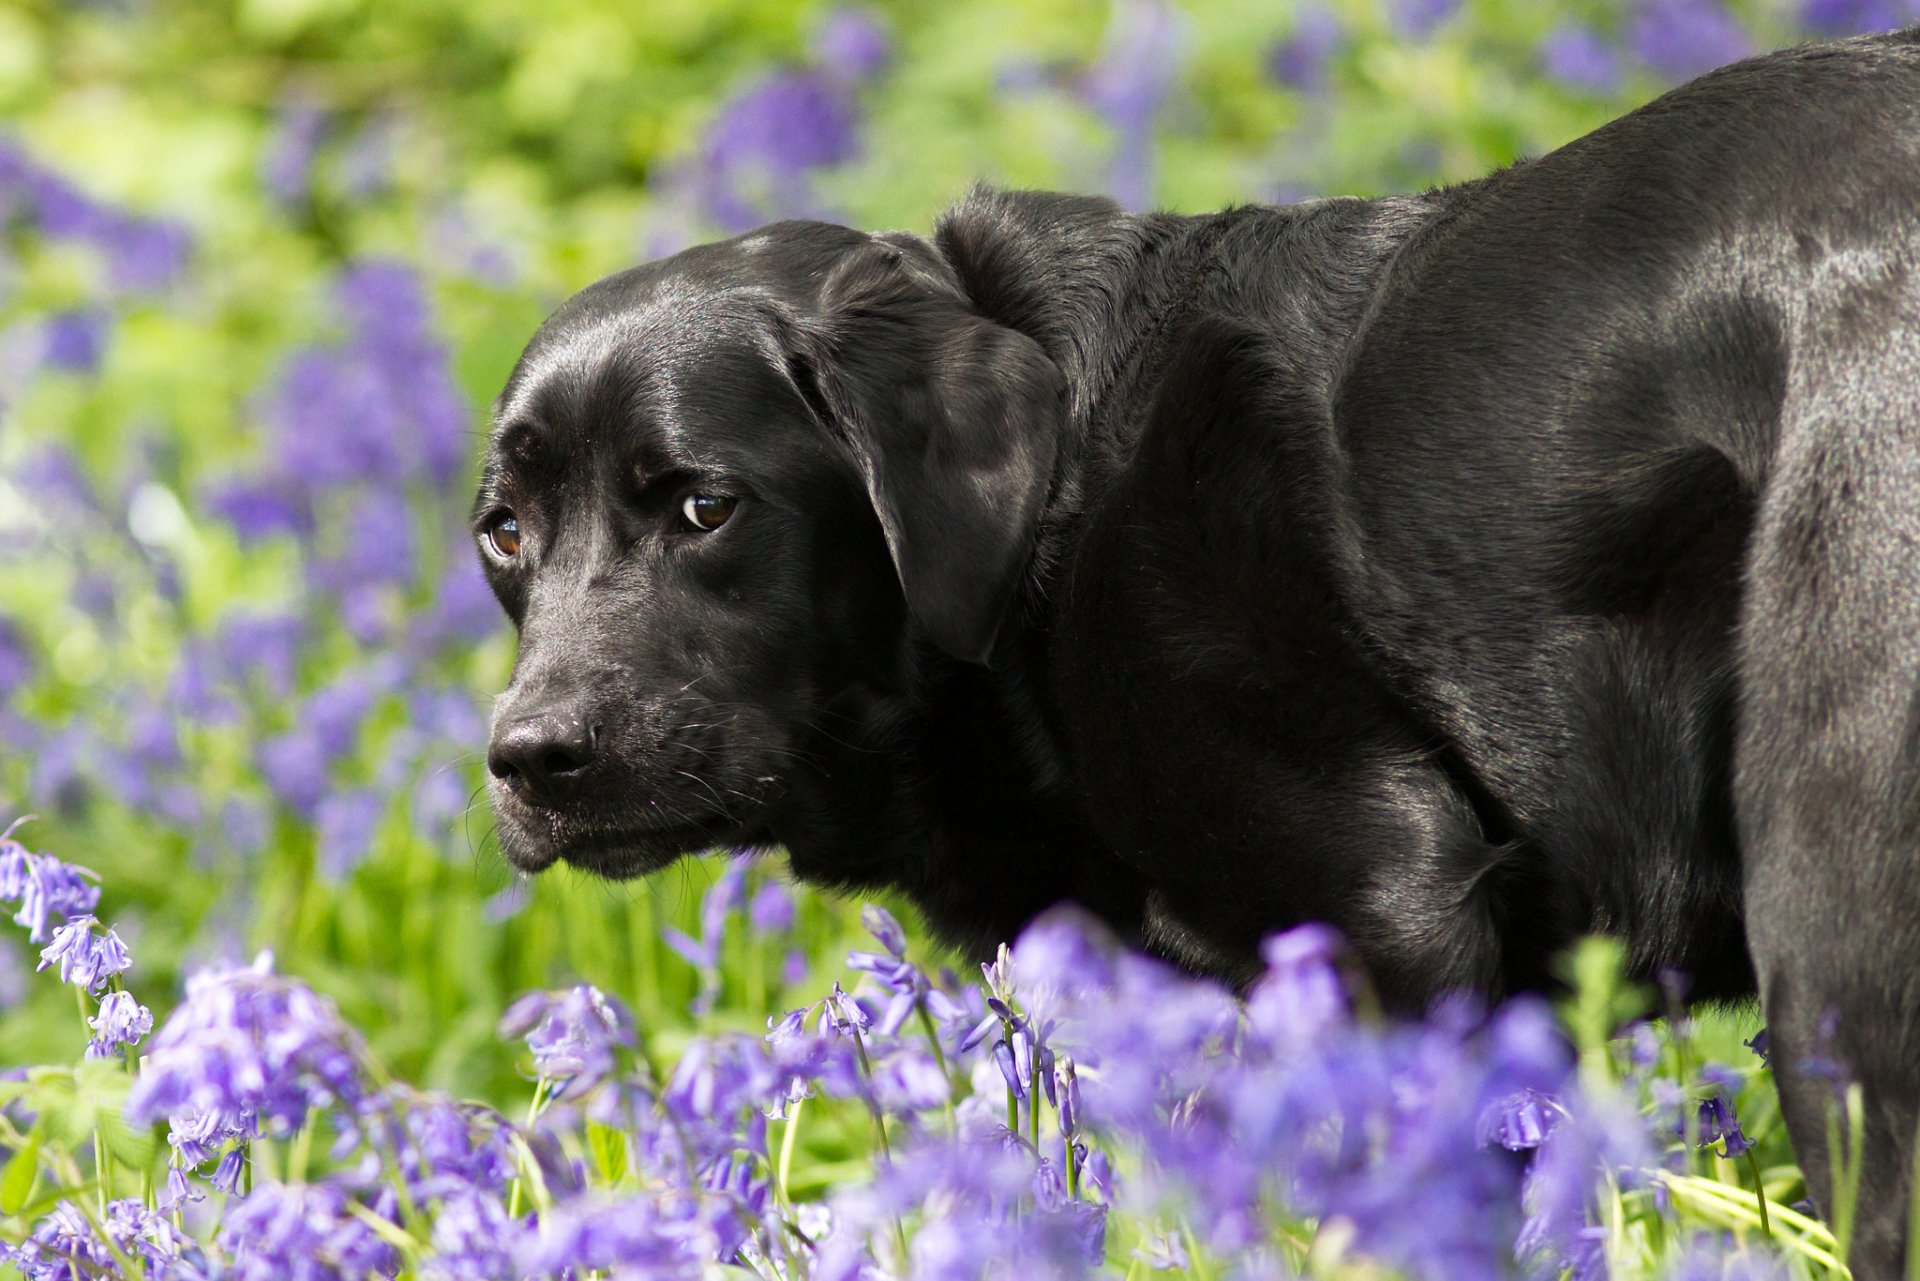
[{"x": 622, "y": 847}]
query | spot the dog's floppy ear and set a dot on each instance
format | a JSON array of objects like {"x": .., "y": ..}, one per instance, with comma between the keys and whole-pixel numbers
[{"x": 954, "y": 421}]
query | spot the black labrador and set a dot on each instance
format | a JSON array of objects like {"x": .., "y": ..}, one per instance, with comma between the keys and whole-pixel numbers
[{"x": 1471, "y": 570}]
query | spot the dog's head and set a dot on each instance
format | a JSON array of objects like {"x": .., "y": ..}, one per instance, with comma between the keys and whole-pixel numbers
[{"x": 724, "y": 497}]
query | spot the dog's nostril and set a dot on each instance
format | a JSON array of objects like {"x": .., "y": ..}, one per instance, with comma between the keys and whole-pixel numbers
[
  {"x": 561, "y": 761},
  {"x": 536, "y": 755}
]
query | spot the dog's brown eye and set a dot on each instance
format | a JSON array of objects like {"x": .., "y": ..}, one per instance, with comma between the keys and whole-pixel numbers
[
  {"x": 708, "y": 511},
  {"x": 503, "y": 534}
]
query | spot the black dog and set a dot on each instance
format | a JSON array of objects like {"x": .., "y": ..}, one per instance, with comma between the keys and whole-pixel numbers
[{"x": 1470, "y": 570}]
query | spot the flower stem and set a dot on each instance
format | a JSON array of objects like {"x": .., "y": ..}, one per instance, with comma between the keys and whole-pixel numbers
[
  {"x": 1760, "y": 1193},
  {"x": 788, "y": 1140},
  {"x": 533, "y": 1114}
]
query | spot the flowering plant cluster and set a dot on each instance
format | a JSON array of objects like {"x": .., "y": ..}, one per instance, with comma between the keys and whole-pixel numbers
[{"x": 1079, "y": 1109}]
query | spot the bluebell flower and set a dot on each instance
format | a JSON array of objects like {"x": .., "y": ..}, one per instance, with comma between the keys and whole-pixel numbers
[
  {"x": 247, "y": 1054},
  {"x": 16, "y": 657},
  {"x": 1419, "y": 19},
  {"x": 771, "y": 910},
  {"x": 85, "y": 959},
  {"x": 65, "y": 1246},
  {"x": 306, "y": 1231},
  {"x": 287, "y": 166},
  {"x": 122, "y": 1021},
  {"x": 76, "y": 339},
  {"x": 1853, "y": 17},
  {"x": 1580, "y": 58},
  {"x": 765, "y": 144},
  {"x": 852, "y": 44},
  {"x": 44, "y": 887},
  {"x": 297, "y": 768},
  {"x": 259, "y": 508},
  {"x": 1299, "y": 60},
  {"x": 1129, "y": 85},
  {"x": 474, "y": 1239},
  {"x": 344, "y": 827},
  {"x": 573, "y": 1034},
  {"x": 1682, "y": 38},
  {"x": 266, "y": 646}
]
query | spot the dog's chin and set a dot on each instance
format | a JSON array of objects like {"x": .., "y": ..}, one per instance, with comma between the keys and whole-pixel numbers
[{"x": 533, "y": 840}]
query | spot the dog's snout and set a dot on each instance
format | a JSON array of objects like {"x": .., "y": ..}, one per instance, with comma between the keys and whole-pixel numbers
[{"x": 542, "y": 755}]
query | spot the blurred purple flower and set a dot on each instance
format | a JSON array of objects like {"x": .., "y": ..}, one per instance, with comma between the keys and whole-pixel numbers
[
  {"x": 1129, "y": 85},
  {"x": 1683, "y": 38},
  {"x": 306, "y": 1231},
  {"x": 65, "y": 1246},
  {"x": 771, "y": 910},
  {"x": 1851, "y": 17},
  {"x": 266, "y": 645},
  {"x": 76, "y": 339},
  {"x": 764, "y": 145},
  {"x": 297, "y": 769},
  {"x": 247, "y": 1054},
  {"x": 299, "y": 129},
  {"x": 464, "y": 610},
  {"x": 852, "y": 45},
  {"x": 1299, "y": 60},
  {"x": 1581, "y": 58},
  {"x": 16, "y": 657},
  {"x": 344, "y": 825},
  {"x": 260, "y": 508},
  {"x": 1419, "y": 19}
]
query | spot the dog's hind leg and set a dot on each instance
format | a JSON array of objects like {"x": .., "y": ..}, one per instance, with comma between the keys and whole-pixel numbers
[{"x": 1827, "y": 769}]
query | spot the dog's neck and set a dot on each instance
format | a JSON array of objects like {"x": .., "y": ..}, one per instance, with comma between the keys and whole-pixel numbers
[{"x": 970, "y": 805}]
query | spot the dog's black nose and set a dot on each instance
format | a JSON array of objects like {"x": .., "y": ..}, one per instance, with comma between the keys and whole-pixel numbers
[{"x": 541, "y": 756}]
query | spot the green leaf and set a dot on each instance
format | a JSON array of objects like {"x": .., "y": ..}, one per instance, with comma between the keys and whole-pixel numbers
[{"x": 16, "y": 1180}]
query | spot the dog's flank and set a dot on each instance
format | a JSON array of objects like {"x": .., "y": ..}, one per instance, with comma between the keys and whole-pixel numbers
[{"x": 1469, "y": 570}]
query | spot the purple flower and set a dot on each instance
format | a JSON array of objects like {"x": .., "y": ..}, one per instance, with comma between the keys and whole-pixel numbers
[
  {"x": 771, "y": 910},
  {"x": 1850, "y": 17},
  {"x": 121, "y": 1021},
  {"x": 464, "y": 610},
  {"x": 266, "y": 645},
  {"x": 1718, "y": 1122},
  {"x": 764, "y": 145},
  {"x": 76, "y": 339},
  {"x": 1130, "y": 85},
  {"x": 1419, "y": 19},
  {"x": 1300, "y": 59},
  {"x": 297, "y": 768},
  {"x": 1682, "y": 38},
  {"x": 16, "y": 658},
  {"x": 852, "y": 45},
  {"x": 64, "y": 1246},
  {"x": 1302, "y": 996},
  {"x": 260, "y": 508},
  {"x": 1762, "y": 1045},
  {"x": 444, "y": 1149},
  {"x": 573, "y": 1034},
  {"x": 85, "y": 959},
  {"x": 44, "y": 887},
  {"x": 1519, "y": 1122},
  {"x": 1580, "y": 58},
  {"x": 344, "y": 824},
  {"x": 287, "y": 167},
  {"x": 247, "y": 1054},
  {"x": 306, "y": 1231},
  {"x": 474, "y": 1239}
]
